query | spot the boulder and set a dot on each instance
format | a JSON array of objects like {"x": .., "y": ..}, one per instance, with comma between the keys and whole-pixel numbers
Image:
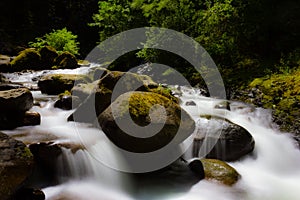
[
  {"x": 83, "y": 90},
  {"x": 16, "y": 164},
  {"x": 233, "y": 143},
  {"x": 220, "y": 171},
  {"x": 136, "y": 106},
  {"x": 48, "y": 55},
  {"x": 67, "y": 102},
  {"x": 45, "y": 156},
  {"x": 31, "y": 118},
  {"x": 15, "y": 100},
  {"x": 197, "y": 167},
  {"x": 54, "y": 84},
  {"x": 27, "y": 59},
  {"x": 66, "y": 60},
  {"x": 100, "y": 92}
]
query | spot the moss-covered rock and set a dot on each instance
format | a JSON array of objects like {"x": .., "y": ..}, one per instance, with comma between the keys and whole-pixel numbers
[
  {"x": 136, "y": 106},
  {"x": 232, "y": 141},
  {"x": 66, "y": 60},
  {"x": 48, "y": 56},
  {"x": 27, "y": 59},
  {"x": 220, "y": 171},
  {"x": 16, "y": 164},
  {"x": 281, "y": 93},
  {"x": 100, "y": 92},
  {"x": 55, "y": 84}
]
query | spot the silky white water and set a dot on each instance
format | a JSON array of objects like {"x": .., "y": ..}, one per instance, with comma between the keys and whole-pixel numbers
[{"x": 271, "y": 172}]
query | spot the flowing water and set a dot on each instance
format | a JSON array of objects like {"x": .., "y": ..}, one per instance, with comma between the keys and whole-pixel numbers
[{"x": 271, "y": 172}]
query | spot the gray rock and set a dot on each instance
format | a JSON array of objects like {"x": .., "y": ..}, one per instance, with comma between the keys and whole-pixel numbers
[
  {"x": 15, "y": 100},
  {"x": 233, "y": 143}
]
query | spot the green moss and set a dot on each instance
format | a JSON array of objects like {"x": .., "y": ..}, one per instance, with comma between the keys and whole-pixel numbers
[
  {"x": 27, "y": 59},
  {"x": 65, "y": 93},
  {"x": 220, "y": 171},
  {"x": 281, "y": 92},
  {"x": 166, "y": 92},
  {"x": 24, "y": 152},
  {"x": 140, "y": 104}
]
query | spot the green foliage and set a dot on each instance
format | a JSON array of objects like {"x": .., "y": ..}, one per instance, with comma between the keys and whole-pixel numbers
[
  {"x": 281, "y": 92},
  {"x": 62, "y": 40},
  {"x": 242, "y": 37},
  {"x": 115, "y": 16}
]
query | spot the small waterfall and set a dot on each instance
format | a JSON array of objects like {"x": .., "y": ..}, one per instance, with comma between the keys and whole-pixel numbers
[{"x": 273, "y": 173}]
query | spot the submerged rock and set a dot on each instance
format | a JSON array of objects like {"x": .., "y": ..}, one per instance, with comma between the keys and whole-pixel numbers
[
  {"x": 16, "y": 164},
  {"x": 175, "y": 178},
  {"x": 136, "y": 105},
  {"x": 67, "y": 102},
  {"x": 31, "y": 118},
  {"x": 220, "y": 171},
  {"x": 54, "y": 84},
  {"x": 231, "y": 141}
]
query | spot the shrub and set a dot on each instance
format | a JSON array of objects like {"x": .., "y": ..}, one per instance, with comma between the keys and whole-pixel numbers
[{"x": 61, "y": 40}]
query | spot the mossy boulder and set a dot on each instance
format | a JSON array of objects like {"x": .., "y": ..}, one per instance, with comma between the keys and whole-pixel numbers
[
  {"x": 48, "y": 56},
  {"x": 27, "y": 59},
  {"x": 220, "y": 171},
  {"x": 54, "y": 84},
  {"x": 281, "y": 93},
  {"x": 136, "y": 106},
  {"x": 66, "y": 60},
  {"x": 100, "y": 95},
  {"x": 232, "y": 141},
  {"x": 16, "y": 164}
]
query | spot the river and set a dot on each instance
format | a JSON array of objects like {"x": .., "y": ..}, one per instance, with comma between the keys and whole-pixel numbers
[{"x": 271, "y": 172}]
